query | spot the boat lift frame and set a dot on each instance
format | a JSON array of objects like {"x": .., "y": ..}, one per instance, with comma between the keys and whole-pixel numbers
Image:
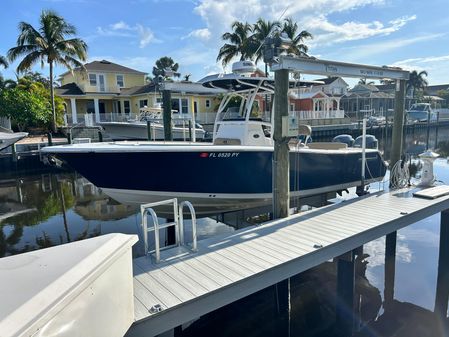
[
  {"x": 285, "y": 64},
  {"x": 282, "y": 65}
]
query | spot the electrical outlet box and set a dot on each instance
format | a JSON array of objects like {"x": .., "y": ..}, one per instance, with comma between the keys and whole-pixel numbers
[{"x": 290, "y": 126}]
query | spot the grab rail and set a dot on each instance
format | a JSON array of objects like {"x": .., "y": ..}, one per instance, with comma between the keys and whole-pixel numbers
[
  {"x": 178, "y": 223},
  {"x": 181, "y": 222}
]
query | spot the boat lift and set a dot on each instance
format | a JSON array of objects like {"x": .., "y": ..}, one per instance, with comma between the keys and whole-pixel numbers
[{"x": 282, "y": 65}]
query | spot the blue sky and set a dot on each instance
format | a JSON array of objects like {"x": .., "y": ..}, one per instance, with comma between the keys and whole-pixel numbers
[{"x": 413, "y": 34}]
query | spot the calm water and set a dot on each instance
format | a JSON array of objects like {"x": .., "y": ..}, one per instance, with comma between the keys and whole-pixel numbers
[{"x": 38, "y": 211}]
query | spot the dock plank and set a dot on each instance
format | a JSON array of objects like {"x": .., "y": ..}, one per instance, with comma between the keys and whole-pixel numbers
[{"x": 230, "y": 267}]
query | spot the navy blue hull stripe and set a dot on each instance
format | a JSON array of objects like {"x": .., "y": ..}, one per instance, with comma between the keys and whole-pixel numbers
[{"x": 219, "y": 172}]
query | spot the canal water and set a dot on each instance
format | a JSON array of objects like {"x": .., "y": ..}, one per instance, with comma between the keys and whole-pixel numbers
[{"x": 44, "y": 210}]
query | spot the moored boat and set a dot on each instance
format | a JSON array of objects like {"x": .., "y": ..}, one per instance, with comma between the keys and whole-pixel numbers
[
  {"x": 134, "y": 129},
  {"x": 8, "y": 138},
  {"x": 234, "y": 172}
]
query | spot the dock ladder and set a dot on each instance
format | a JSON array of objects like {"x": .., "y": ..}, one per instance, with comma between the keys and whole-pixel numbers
[{"x": 178, "y": 223}]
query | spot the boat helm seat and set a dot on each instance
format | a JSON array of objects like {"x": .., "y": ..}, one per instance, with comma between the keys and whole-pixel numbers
[{"x": 304, "y": 130}]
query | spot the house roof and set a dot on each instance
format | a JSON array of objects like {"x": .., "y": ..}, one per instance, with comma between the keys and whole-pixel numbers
[
  {"x": 364, "y": 88},
  {"x": 184, "y": 87},
  {"x": 107, "y": 66},
  {"x": 139, "y": 89},
  {"x": 433, "y": 89},
  {"x": 69, "y": 89},
  {"x": 386, "y": 87},
  {"x": 328, "y": 80}
]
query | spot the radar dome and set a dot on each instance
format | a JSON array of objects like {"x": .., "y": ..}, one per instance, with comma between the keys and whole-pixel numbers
[{"x": 243, "y": 67}]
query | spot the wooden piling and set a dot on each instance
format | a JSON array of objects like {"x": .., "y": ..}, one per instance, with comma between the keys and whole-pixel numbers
[
  {"x": 149, "y": 130},
  {"x": 390, "y": 268},
  {"x": 442, "y": 291},
  {"x": 398, "y": 122},
  {"x": 283, "y": 307},
  {"x": 281, "y": 162},
  {"x": 344, "y": 311},
  {"x": 166, "y": 99}
]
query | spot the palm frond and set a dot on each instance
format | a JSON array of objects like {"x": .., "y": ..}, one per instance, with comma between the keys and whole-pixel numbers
[
  {"x": 29, "y": 60},
  {"x": 3, "y": 62}
]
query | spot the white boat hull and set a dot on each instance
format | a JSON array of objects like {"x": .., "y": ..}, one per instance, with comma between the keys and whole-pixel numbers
[{"x": 7, "y": 139}]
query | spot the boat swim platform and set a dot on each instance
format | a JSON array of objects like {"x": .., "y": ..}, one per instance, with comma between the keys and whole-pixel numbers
[{"x": 227, "y": 268}]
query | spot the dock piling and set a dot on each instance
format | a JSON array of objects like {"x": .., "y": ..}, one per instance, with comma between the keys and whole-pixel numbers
[
  {"x": 281, "y": 163},
  {"x": 390, "y": 268},
  {"x": 398, "y": 122},
  {"x": 167, "y": 118},
  {"x": 442, "y": 291},
  {"x": 344, "y": 310},
  {"x": 283, "y": 307}
]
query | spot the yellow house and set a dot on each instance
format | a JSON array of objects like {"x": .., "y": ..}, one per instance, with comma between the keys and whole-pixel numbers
[{"x": 113, "y": 92}]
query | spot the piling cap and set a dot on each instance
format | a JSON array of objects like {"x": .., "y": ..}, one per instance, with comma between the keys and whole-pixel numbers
[{"x": 429, "y": 154}]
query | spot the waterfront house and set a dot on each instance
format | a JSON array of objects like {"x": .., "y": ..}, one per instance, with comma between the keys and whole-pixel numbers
[
  {"x": 319, "y": 99},
  {"x": 109, "y": 91}
]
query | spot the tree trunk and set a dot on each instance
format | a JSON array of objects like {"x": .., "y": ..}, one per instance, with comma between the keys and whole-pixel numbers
[{"x": 52, "y": 95}]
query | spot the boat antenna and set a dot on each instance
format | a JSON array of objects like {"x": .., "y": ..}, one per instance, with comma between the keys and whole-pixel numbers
[{"x": 272, "y": 28}]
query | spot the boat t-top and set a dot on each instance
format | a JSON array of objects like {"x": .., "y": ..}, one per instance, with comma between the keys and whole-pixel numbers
[{"x": 231, "y": 173}]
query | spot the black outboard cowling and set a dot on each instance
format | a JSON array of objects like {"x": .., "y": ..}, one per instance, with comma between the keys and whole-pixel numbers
[
  {"x": 346, "y": 139},
  {"x": 371, "y": 142}
]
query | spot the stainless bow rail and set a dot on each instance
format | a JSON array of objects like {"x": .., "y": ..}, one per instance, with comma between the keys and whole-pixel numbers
[{"x": 178, "y": 223}]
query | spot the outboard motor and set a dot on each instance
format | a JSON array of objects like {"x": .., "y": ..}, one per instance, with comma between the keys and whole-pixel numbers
[
  {"x": 371, "y": 142},
  {"x": 346, "y": 139}
]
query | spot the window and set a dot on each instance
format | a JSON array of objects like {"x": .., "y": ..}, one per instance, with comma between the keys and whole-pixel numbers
[
  {"x": 158, "y": 100},
  {"x": 120, "y": 81},
  {"x": 127, "y": 107},
  {"x": 184, "y": 105},
  {"x": 207, "y": 103},
  {"x": 143, "y": 103},
  {"x": 93, "y": 80},
  {"x": 175, "y": 105}
]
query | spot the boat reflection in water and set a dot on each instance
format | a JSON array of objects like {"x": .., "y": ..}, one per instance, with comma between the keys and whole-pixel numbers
[{"x": 45, "y": 210}]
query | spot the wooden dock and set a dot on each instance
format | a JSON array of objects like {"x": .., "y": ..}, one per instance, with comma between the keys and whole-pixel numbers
[{"x": 228, "y": 268}]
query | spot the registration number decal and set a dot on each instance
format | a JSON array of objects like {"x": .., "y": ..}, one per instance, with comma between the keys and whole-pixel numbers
[{"x": 223, "y": 154}]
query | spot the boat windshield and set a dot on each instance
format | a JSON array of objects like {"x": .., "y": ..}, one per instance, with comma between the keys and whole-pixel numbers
[
  {"x": 241, "y": 108},
  {"x": 419, "y": 107}
]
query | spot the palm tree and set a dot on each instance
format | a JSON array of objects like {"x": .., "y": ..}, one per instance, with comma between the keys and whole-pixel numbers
[
  {"x": 240, "y": 43},
  {"x": 50, "y": 44},
  {"x": 363, "y": 81},
  {"x": 263, "y": 29},
  {"x": 290, "y": 28},
  {"x": 163, "y": 64},
  {"x": 7, "y": 84},
  {"x": 3, "y": 62},
  {"x": 417, "y": 81}
]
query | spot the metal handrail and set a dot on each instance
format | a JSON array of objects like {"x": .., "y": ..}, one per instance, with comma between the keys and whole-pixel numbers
[
  {"x": 181, "y": 223},
  {"x": 147, "y": 208}
]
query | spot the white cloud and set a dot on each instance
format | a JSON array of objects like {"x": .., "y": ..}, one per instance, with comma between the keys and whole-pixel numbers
[
  {"x": 201, "y": 34},
  {"x": 363, "y": 51},
  {"x": 146, "y": 35},
  {"x": 437, "y": 67},
  {"x": 122, "y": 29},
  {"x": 376, "y": 251},
  {"x": 120, "y": 25},
  {"x": 219, "y": 15},
  {"x": 327, "y": 33}
]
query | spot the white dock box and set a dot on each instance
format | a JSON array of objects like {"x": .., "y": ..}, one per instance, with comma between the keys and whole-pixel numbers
[{"x": 84, "y": 288}]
